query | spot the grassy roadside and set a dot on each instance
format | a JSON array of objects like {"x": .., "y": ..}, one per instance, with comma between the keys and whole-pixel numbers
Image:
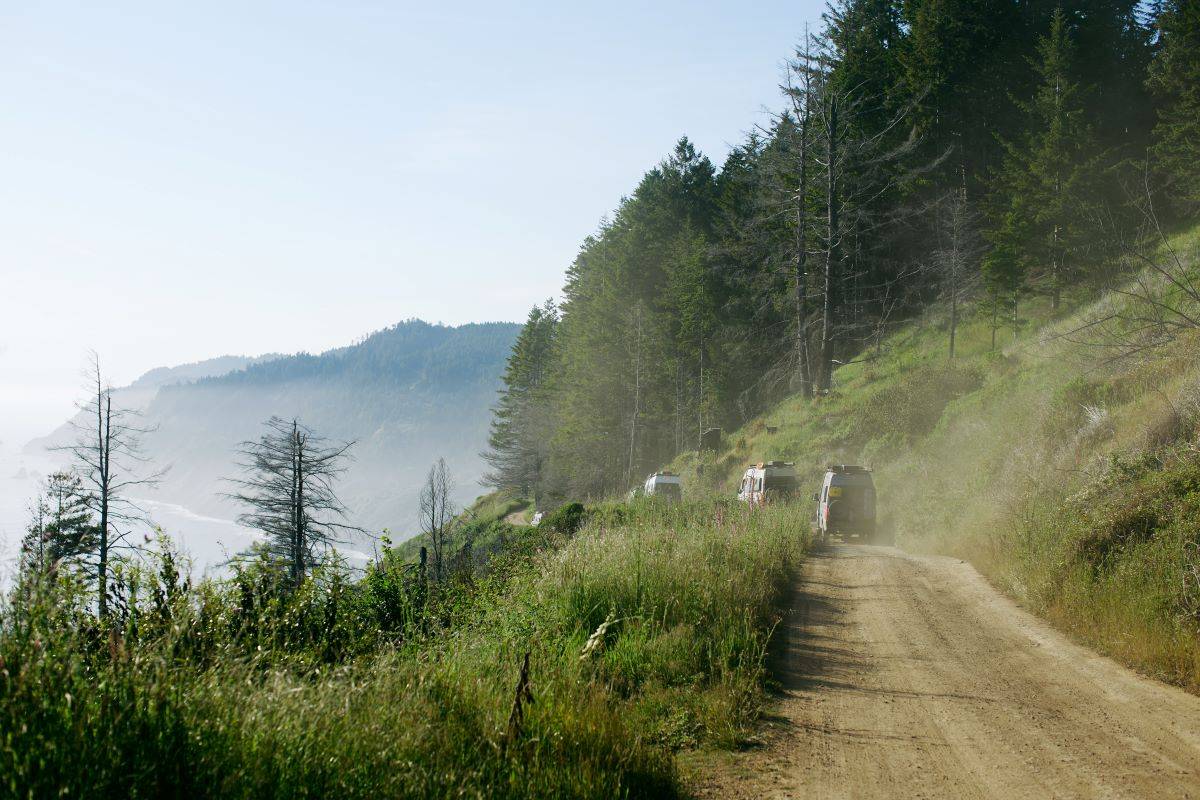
[
  {"x": 1071, "y": 483},
  {"x": 647, "y": 631}
]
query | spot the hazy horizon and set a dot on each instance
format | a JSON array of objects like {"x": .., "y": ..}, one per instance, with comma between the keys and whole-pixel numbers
[{"x": 313, "y": 173}]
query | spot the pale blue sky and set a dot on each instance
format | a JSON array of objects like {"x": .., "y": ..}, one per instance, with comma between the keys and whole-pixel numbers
[{"x": 184, "y": 180}]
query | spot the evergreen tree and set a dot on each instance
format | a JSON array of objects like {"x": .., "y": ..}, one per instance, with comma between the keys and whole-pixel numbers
[
  {"x": 1113, "y": 48},
  {"x": 518, "y": 445},
  {"x": 867, "y": 40},
  {"x": 866, "y": 149},
  {"x": 62, "y": 530},
  {"x": 1175, "y": 81},
  {"x": 755, "y": 259},
  {"x": 1004, "y": 278},
  {"x": 288, "y": 487},
  {"x": 631, "y": 337},
  {"x": 1047, "y": 173},
  {"x": 965, "y": 62}
]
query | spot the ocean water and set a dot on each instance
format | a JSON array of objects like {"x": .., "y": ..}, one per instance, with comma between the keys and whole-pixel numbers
[
  {"x": 207, "y": 542},
  {"x": 19, "y": 480}
]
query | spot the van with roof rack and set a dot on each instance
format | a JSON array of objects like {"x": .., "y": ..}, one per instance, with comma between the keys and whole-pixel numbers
[
  {"x": 846, "y": 504},
  {"x": 768, "y": 480}
]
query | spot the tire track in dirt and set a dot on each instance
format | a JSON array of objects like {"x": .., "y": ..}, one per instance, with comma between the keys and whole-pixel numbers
[{"x": 908, "y": 676}]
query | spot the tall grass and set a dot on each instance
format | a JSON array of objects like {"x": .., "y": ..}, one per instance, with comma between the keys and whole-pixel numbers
[{"x": 647, "y": 632}]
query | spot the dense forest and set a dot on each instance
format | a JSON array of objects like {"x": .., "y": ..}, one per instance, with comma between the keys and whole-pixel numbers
[{"x": 969, "y": 154}]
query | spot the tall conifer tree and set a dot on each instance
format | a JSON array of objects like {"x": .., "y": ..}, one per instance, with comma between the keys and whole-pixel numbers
[
  {"x": 1175, "y": 80},
  {"x": 1048, "y": 172}
]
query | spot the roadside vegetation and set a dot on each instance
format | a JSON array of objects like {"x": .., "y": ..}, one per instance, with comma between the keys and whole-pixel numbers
[
  {"x": 646, "y": 631},
  {"x": 1069, "y": 480}
]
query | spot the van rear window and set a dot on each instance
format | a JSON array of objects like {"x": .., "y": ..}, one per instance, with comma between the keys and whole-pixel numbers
[{"x": 780, "y": 483}]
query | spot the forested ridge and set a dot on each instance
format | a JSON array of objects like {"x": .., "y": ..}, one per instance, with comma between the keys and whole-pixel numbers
[
  {"x": 969, "y": 154},
  {"x": 405, "y": 395},
  {"x": 410, "y": 354}
]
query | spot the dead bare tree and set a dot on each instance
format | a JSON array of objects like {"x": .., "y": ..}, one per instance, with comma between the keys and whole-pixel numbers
[
  {"x": 288, "y": 486},
  {"x": 1155, "y": 297},
  {"x": 956, "y": 260},
  {"x": 107, "y": 457},
  {"x": 858, "y": 162},
  {"x": 799, "y": 90},
  {"x": 437, "y": 515}
]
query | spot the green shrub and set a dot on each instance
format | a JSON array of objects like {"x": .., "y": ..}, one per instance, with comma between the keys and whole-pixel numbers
[{"x": 567, "y": 519}]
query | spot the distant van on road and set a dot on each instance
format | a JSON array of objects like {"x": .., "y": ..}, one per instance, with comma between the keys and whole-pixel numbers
[
  {"x": 768, "y": 480},
  {"x": 667, "y": 485},
  {"x": 846, "y": 503}
]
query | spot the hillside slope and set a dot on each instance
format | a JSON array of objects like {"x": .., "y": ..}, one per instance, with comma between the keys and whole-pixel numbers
[{"x": 1071, "y": 483}]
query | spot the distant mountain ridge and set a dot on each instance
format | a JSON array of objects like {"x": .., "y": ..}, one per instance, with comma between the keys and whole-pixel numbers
[
  {"x": 197, "y": 370},
  {"x": 406, "y": 396},
  {"x": 138, "y": 394}
]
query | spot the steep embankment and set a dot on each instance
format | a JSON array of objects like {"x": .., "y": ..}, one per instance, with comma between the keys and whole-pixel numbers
[{"x": 1072, "y": 483}]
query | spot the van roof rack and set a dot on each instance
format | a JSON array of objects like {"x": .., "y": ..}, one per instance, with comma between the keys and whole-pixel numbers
[
  {"x": 763, "y": 464},
  {"x": 847, "y": 468}
]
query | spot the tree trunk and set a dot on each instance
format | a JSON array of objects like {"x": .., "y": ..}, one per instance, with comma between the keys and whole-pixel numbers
[
  {"x": 802, "y": 268},
  {"x": 995, "y": 304},
  {"x": 700, "y": 402},
  {"x": 802, "y": 105},
  {"x": 953, "y": 320},
  {"x": 832, "y": 278},
  {"x": 637, "y": 399},
  {"x": 298, "y": 565},
  {"x": 104, "y": 438},
  {"x": 1056, "y": 273}
]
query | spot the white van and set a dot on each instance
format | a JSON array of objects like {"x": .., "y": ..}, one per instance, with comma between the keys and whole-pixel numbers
[
  {"x": 667, "y": 485},
  {"x": 846, "y": 503},
  {"x": 768, "y": 480}
]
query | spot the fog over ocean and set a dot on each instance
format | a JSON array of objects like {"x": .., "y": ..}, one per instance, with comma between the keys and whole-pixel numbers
[{"x": 207, "y": 541}]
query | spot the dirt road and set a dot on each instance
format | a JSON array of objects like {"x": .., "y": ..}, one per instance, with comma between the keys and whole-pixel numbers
[{"x": 910, "y": 677}]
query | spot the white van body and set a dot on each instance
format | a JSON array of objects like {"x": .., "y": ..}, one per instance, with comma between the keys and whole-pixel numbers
[
  {"x": 767, "y": 480},
  {"x": 667, "y": 485},
  {"x": 846, "y": 503}
]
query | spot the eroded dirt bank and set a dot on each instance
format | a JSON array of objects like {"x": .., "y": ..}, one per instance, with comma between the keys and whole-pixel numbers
[{"x": 908, "y": 676}]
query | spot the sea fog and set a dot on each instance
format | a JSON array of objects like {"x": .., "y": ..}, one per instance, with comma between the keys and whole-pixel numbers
[{"x": 208, "y": 542}]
